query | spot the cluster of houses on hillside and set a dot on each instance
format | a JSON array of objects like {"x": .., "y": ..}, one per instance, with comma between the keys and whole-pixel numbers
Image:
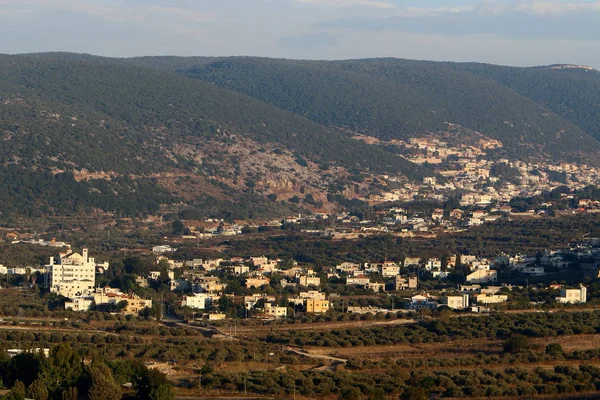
[
  {"x": 468, "y": 170},
  {"x": 201, "y": 285},
  {"x": 256, "y": 274},
  {"x": 480, "y": 286},
  {"x": 474, "y": 209},
  {"x": 477, "y": 298}
]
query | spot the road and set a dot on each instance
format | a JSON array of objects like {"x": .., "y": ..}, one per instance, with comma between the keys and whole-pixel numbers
[
  {"x": 316, "y": 356},
  {"x": 253, "y": 330},
  {"x": 217, "y": 398},
  {"x": 206, "y": 332}
]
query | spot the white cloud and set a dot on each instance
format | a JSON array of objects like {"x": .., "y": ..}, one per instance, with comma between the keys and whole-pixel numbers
[
  {"x": 485, "y": 7},
  {"x": 113, "y": 11},
  {"x": 349, "y": 3},
  {"x": 499, "y": 7},
  {"x": 140, "y": 13},
  {"x": 181, "y": 21},
  {"x": 421, "y": 12},
  {"x": 554, "y": 7},
  {"x": 534, "y": 7}
]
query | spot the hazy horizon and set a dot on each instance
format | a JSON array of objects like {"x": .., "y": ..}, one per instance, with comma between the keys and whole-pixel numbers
[
  {"x": 518, "y": 33},
  {"x": 285, "y": 58}
]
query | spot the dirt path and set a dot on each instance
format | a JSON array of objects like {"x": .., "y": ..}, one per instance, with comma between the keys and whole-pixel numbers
[
  {"x": 320, "y": 326},
  {"x": 315, "y": 356},
  {"x": 37, "y": 329}
]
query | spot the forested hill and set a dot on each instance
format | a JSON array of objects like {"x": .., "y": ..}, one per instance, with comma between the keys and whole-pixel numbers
[
  {"x": 81, "y": 131},
  {"x": 572, "y": 93},
  {"x": 243, "y": 136},
  {"x": 531, "y": 110},
  {"x": 138, "y": 100}
]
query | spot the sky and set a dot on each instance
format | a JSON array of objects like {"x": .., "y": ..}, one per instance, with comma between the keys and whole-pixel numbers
[{"x": 508, "y": 32}]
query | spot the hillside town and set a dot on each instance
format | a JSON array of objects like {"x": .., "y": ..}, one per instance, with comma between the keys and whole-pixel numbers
[
  {"x": 466, "y": 170},
  {"x": 470, "y": 188},
  {"x": 274, "y": 288}
]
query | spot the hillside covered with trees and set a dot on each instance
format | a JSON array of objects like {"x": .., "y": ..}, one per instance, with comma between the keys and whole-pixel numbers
[
  {"x": 535, "y": 111},
  {"x": 118, "y": 127},
  {"x": 129, "y": 136}
]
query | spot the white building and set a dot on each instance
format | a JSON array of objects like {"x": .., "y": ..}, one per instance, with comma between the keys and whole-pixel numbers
[
  {"x": 241, "y": 269},
  {"x": 275, "y": 311},
  {"x": 21, "y": 270},
  {"x": 482, "y": 276},
  {"x": 133, "y": 304},
  {"x": 573, "y": 296},
  {"x": 389, "y": 269},
  {"x": 481, "y": 264},
  {"x": 348, "y": 267},
  {"x": 74, "y": 275},
  {"x": 433, "y": 264},
  {"x": 475, "y": 222},
  {"x": 440, "y": 274},
  {"x": 312, "y": 294},
  {"x": 420, "y": 302},
  {"x": 360, "y": 280},
  {"x": 198, "y": 301},
  {"x": 412, "y": 261},
  {"x": 163, "y": 249},
  {"x": 485, "y": 298},
  {"x": 456, "y": 302},
  {"x": 309, "y": 281},
  {"x": 80, "y": 303},
  {"x": 13, "y": 352}
]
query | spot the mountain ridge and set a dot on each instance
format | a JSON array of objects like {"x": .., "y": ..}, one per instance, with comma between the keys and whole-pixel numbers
[
  {"x": 236, "y": 130},
  {"x": 428, "y": 90}
]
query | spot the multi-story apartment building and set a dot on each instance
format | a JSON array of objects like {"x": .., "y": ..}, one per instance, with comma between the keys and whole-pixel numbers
[
  {"x": 316, "y": 305},
  {"x": 73, "y": 275}
]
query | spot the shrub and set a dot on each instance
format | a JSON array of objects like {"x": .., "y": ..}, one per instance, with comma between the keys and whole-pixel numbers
[
  {"x": 554, "y": 349},
  {"x": 516, "y": 343}
]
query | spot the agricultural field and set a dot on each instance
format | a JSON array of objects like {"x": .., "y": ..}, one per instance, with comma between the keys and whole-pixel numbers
[{"x": 521, "y": 354}]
